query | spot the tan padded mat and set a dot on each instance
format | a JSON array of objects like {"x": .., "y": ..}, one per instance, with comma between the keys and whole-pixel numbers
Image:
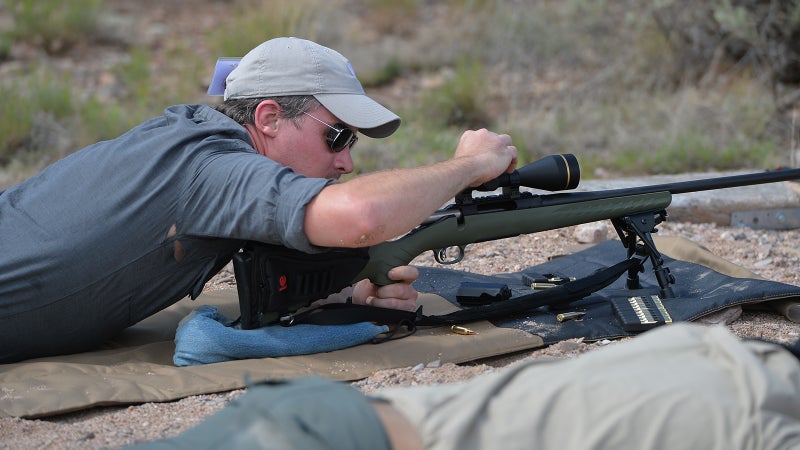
[{"x": 137, "y": 367}]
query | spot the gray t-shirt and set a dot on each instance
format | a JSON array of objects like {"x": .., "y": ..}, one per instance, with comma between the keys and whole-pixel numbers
[{"x": 88, "y": 236}]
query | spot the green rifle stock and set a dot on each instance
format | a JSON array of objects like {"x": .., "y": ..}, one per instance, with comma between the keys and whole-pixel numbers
[{"x": 452, "y": 231}]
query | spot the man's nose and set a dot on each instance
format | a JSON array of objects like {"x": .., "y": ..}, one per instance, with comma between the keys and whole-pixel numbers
[{"x": 344, "y": 161}]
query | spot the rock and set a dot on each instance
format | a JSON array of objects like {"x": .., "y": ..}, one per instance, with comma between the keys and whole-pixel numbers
[
  {"x": 434, "y": 364},
  {"x": 591, "y": 233},
  {"x": 762, "y": 263},
  {"x": 726, "y": 316}
]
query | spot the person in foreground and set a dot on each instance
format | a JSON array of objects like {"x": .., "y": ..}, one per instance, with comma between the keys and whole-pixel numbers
[
  {"x": 124, "y": 228},
  {"x": 682, "y": 386}
]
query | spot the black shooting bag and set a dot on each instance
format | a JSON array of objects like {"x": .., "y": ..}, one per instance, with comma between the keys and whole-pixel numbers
[{"x": 273, "y": 282}]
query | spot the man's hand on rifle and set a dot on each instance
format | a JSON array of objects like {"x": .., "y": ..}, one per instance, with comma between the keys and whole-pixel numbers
[
  {"x": 496, "y": 153},
  {"x": 400, "y": 295}
]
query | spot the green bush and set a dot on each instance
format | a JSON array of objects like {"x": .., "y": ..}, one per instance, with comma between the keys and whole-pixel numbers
[
  {"x": 100, "y": 121},
  {"x": 390, "y": 71},
  {"x": 25, "y": 102},
  {"x": 696, "y": 153},
  {"x": 135, "y": 76},
  {"x": 54, "y": 25},
  {"x": 254, "y": 22},
  {"x": 710, "y": 36},
  {"x": 16, "y": 124},
  {"x": 460, "y": 99}
]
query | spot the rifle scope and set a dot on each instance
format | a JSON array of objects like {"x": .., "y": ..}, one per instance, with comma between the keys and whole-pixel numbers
[{"x": 551, "y": 173}]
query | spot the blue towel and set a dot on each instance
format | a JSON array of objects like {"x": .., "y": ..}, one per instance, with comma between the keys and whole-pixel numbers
[{"x": 203, "y": 338}]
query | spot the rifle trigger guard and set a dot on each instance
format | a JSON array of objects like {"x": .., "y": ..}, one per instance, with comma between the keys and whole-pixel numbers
[{"x": 441, "y": 255}]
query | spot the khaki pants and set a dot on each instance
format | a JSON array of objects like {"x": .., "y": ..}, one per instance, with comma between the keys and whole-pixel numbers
[{"x": 680, "y": 386}]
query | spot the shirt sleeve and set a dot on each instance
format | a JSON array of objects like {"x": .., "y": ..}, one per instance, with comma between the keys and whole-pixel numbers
[{"x": 244, "y": 195}]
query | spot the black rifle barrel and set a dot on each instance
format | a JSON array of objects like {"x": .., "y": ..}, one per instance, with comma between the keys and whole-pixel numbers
[
  {"x": 680, "y": 187},
  {"x": 708, "y": 184}
]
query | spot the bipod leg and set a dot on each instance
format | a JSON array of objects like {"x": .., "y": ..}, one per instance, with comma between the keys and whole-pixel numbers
[
  {"x": 629, "y": 238},
  {"x": 635, "y": 232}
]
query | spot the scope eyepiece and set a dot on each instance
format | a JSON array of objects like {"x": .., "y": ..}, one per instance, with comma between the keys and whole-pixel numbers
[{"x": 552, "y": 173}]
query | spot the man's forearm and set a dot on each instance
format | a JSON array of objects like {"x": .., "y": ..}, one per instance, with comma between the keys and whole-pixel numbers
[{"x": 379, "y": 206}]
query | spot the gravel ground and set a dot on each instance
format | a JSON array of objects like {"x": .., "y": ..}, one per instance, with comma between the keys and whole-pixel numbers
[{"x": 774, "y": 255}]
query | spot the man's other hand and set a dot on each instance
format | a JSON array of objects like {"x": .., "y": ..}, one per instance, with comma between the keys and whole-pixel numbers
[{"x": 400, "y": 295}]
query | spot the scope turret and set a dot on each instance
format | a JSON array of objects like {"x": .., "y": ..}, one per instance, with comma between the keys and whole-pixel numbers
[{"x": 552, "y": 173}]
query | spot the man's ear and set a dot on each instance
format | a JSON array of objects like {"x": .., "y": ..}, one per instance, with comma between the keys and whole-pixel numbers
[{"x": 266, "y": 117}]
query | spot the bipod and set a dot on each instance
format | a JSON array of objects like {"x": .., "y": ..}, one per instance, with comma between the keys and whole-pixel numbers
[{"x": 635, "y": 232}]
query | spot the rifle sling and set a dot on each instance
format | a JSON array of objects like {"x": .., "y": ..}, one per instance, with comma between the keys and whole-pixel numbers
[
  {"x": 560, "y": 294},
  {"x": 347, "y": 313},
  {"x": 344, "y": 313}
]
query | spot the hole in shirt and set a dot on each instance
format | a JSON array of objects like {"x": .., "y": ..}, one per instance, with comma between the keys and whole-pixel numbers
[{"x": 178, "y": 252}]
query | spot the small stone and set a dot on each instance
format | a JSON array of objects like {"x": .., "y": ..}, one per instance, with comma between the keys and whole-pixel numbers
[
  {"x": 591, "y": 233},
  {"x": 763, "y": 263}
]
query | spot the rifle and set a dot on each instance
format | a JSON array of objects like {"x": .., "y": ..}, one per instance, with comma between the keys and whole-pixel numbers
[{"x": 274, "y": 282}]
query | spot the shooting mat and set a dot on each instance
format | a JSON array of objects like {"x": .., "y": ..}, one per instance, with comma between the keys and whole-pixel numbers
[{"x": 137, "y": 366}]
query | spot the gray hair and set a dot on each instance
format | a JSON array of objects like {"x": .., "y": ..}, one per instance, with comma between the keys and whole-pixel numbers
[{"x": 243, "y": 110}]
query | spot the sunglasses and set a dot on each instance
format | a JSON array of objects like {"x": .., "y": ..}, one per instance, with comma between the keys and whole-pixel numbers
[{"x": 339, "y": 136}]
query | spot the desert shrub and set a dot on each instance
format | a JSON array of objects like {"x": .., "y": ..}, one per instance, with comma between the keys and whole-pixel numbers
[
  {"x": 37, "y": 99},
  {"x": 460, "y": 97},
  {"x": 254, "y": 22},
  {"x": 54, "y": 25}
]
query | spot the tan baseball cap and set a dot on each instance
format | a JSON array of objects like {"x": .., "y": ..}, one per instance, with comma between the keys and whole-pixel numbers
[{"x": 293, "y": 66}]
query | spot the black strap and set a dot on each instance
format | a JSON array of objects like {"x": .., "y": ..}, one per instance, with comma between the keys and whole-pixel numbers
[
  {"x": 346, "y": 313},
  {"x": 560, "y": 294},
  {"x": 401, "y": 323}
]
